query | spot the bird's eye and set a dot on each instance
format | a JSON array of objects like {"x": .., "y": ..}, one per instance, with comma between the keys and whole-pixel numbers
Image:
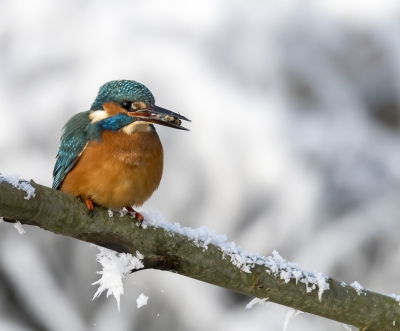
[{"x": 126, "y": 104}]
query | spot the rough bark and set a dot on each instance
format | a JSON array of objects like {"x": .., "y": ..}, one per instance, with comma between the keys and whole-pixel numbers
[{"x": 62, "y": 214}]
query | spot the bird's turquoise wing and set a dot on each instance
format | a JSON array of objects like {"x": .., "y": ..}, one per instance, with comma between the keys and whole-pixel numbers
[{"x": 73, "y": 141}]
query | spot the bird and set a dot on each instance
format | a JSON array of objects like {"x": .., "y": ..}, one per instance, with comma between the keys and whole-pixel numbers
[{"x": 111, "y": 154}]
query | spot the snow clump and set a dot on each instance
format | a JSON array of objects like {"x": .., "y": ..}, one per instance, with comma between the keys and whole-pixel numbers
[
  {"x": 359, "y": 289},
  {"x": 19, "y": 227},
  {"x": 289, "y": 316},
  {"x": 142, "y": 300},
  {"x": 115, "y": 267},
  {"x": 19, "y": 183},
  {"x": 262, "y": 302}
]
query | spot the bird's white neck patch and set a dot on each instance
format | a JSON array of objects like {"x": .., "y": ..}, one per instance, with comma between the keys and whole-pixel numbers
[
  {"x": 98, "y": 115},
  {"x": 138, "y": 126}
]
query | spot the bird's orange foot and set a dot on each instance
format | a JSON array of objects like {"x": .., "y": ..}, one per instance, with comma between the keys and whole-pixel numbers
[
  {"x": 89, "y": 206},
  {"x": 139, "y": 216}
]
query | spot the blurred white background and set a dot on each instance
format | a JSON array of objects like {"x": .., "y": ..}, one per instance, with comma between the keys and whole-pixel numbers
[{"x": 294, "y": 146}]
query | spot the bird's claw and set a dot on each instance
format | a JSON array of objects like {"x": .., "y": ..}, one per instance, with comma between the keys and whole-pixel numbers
[
  {"x": 89, "y": 206},
  {"x": 138, "y": 216}
]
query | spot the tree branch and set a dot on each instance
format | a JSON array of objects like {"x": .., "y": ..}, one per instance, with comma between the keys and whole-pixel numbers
[{"x": 63, "y": 214}]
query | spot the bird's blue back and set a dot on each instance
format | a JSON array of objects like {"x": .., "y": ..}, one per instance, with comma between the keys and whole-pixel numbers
[{"x": 73, "y": 142}]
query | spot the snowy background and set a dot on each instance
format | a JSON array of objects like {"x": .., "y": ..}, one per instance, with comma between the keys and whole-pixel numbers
[{"x": 294, "y": 146}]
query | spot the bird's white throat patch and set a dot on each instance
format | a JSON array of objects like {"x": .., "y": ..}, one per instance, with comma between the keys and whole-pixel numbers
[
  {"x": 98, "y": 115},
  {"x": 138, "y": 126}
]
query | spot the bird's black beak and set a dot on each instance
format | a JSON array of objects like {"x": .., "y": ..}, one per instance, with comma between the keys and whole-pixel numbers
[{"x": 161, "y": 116}]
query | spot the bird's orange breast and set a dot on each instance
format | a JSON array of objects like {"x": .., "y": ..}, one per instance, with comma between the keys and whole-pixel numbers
[{"x": 121, "y": 170}]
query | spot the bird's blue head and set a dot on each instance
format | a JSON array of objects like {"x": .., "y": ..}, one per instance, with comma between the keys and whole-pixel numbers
[
  {"x": 120, "y": 99},
  {"x": 123, "y": 90}
]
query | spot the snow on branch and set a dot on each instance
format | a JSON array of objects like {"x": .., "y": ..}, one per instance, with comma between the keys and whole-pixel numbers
[
  {"x": 245, "y": 261},
  {"x": 19, "y": 183},
  {"x": 197, "y": 253}
]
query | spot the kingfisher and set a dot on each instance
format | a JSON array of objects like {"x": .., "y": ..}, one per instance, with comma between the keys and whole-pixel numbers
[{"x": 111, "y": 155}]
